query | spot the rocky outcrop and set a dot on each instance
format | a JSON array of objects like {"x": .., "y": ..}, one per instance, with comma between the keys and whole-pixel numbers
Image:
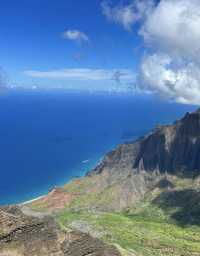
[
  {"x": 83, "y": 245},
  {"x": 22, "y": 235}
]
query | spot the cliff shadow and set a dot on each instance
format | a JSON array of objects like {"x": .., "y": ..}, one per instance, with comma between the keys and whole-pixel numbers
[{"x": 184, "y": 206}]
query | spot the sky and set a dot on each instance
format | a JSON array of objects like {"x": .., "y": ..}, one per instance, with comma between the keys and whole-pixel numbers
[
  {"x": 146, "y": 46},
  {"x": 34, "y": 38}
]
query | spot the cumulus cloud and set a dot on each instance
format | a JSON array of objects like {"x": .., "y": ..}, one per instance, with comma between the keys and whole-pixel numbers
[
  {"x": 170, "y": 29},
  {"x": 75, "y": 35},
  {"x": 127, "y": 15},
  {"x": 160, "y": 76},
  {"x": 173, "y": 27},
  {"x": 173, "y": 70},
  {"x": 82, "y": 74}
]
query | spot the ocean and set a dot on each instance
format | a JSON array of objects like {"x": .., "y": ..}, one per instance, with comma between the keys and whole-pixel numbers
[{"x": 50, "y": 137}]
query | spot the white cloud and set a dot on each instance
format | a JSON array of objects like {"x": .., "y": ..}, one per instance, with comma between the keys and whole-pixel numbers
[
  {"x": 173, "y": 27},
  {"x": 123, "y": 15},
  {"x": 173, "y": 70},
  {"x": 83, "y": 74},
  {"x": 75, "y": 35},
  {"x": 180, "y": 83},
  {"x": 127, "y": 15},
  {"x": 171, "y": 33}
]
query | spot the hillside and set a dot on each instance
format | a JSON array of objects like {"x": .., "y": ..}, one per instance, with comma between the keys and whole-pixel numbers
[
  {"x": 129, "y": 172},
  {"x": 143, "y": 198}
]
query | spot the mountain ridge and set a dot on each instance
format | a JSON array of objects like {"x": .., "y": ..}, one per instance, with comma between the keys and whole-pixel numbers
[{"x": 160, "y": 150}]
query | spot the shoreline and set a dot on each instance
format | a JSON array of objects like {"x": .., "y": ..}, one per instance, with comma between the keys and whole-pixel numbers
[
  {"x": 32, "y": 200},
  {"x": 97, "y": 162},
  {"x": 60, "y": 185}
]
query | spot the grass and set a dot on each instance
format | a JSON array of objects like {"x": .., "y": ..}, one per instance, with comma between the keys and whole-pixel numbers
[
  {"x": 147, "y": 233},
  {"x": 165, "y": 223},
  {"x": 90, "y": 195}
]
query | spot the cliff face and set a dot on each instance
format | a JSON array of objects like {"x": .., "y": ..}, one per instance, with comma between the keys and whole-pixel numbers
[{"x": 172, "y": 148}]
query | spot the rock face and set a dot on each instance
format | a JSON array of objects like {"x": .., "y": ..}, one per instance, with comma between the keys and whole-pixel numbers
[
  {"x": 77, "y": 245},
  {"x": 21, "y": 235},
  {"x": 171, "y": 148},
  {"x": 136, "y": 168},
  {"x": 174, "y": 148}
]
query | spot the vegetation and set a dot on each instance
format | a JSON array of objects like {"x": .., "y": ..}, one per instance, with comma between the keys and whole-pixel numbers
[
  {"x": 166, "y": 222},
  {"x": 149, "y": 232}
]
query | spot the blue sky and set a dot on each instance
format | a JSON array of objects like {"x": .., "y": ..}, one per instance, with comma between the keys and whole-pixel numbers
[
  {"x": 149, "y": 45},
  {"x": 31, "y": 39}
]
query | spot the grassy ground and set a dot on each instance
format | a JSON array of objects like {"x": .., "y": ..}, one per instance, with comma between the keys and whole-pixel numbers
[
  {"x": 166, "y": 222},
  {"x": 145, "y": 233}
]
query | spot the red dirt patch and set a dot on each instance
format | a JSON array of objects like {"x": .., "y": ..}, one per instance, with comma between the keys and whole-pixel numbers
[{"x": 57, "y": 198}]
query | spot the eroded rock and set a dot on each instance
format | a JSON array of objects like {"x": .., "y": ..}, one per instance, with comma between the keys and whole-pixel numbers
[{"x": 22, "y": 235}]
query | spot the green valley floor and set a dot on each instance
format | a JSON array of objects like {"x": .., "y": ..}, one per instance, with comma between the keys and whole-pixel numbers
[
  {"x": 165, "y": 223},
  {"x": 145, "y": 233}
]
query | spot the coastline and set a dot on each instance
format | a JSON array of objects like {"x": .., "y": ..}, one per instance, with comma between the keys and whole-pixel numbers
[
  {"x": 70, "y": 147},
  {"x": 32, "y": 200},
  {"x": 97, "y": 162},
  {"x": 92, "y": 166}
]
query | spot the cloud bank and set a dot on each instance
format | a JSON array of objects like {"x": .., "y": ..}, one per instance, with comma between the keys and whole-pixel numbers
[
  {"x": 170, "y": 29},
  {"x": 83, "y": 74}
]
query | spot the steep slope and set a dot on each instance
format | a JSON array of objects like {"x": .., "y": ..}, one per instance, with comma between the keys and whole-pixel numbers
[{"x": 172, "y": 148}]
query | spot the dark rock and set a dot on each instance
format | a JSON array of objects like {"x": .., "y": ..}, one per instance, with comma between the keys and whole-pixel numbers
[
  {"x": 174, "y": 149},
  {"x": 79, "y": 244},
  {"x": 171, "y": 148},
  {"x": 28, "y": 235},
  {"x": 23, "y": 235}
]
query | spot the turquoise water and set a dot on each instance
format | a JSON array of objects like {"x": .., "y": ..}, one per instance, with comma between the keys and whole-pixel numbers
[{"x": 48, "y": 138}]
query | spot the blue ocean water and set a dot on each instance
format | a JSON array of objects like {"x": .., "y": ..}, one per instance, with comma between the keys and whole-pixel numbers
[{"x": 48, "y": 138}]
